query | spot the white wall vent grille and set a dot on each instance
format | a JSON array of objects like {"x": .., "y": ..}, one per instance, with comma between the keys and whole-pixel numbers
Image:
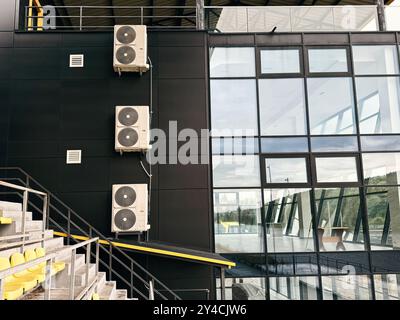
[
  {"x": 74, "y": 156},
  {"x": 76, "y": 60}
]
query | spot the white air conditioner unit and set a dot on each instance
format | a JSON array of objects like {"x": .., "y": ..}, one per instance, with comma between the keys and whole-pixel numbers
[
  {"x": 132, "y": 132},
  {"x": 130, "y": 48},
  {"x": 129, "y": 208}
]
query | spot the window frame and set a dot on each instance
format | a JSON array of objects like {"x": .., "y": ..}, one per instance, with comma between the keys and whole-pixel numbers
[
  {"x": 301, "y": 79},
  {"x": 310, "y": 74},
  {"x": 335, "y": 184},
  {"x": 396, "y": 45},
  {"x": 232, "y": 77},
  {"x": 261, "y": 75},
  {"x": 360, "y": 105},
  {"x": 263, "y": 172},
  {"x": 353, "y": 101}
]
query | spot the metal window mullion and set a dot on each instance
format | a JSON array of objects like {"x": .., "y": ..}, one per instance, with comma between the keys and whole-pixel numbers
[
  {"x": 358, "y": 225},
  {"x": 362, "y": 190},
  {"x": 338, "y": 208},
  {"x": 264, "y": 227},
  {"x": 386, "y": 226},
  {"x": 310, "y": 165}
]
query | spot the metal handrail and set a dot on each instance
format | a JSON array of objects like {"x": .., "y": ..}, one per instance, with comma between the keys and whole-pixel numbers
[
  {"x": 48, "y": 258},
  {"x": 26, "y": 191},
  {"x": 19, "y": 243},
  {"x": 15, "y": 186},
  {"x": 274, "y": 7},
  {"x": 29, "y": 17},
  {"x": 289, "y": 14},
  {"x": 201, "y": 290},
  {"x": 52, "y": 207}
]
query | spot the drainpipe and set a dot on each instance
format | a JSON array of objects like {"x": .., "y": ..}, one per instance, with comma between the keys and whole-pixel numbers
[{"x": 381, "y": 14}]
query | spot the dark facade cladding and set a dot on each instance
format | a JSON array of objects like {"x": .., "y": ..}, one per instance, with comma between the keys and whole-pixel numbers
[{"x": 47, "y": 108}]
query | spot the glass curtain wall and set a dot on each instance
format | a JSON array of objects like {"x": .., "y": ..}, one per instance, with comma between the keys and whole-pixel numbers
[{"x": 306, "y": 166}]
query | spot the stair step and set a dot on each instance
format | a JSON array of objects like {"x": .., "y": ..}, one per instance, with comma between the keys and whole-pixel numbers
[
  {"x": 33, "y": 225},
  {"x": 54, "y": 244},
  {"x": 80, "y": 275},
  {"x": 121, "y": 294},
  {"x": 15, "y": 215},
  {"x": 7, "y": 205},
  {"x": 108, "y": 291},
  {"x": 61, "y": 279},
  {"x": 55, "y": 294},
  {"x": 37, "y": 234},
  {"x": 101, "y": 279},
  {"x": 33, "y": 228},
  {"x": 50, "y": 244},
  {"x": 79, "y": 260}
]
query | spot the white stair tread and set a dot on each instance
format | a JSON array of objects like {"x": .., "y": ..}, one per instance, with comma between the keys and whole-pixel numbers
[
  {"x": 121, "y": 294},
  {"x": 38, "y": 234},
  {"x": 101, "y": 279},
  {"x": 55, "y": 294},
  {"x": 10, "y": 205},
  {"x": 80, "y": 274},
  {"x": 32, "y": 225},
  {"x": 108, "y": 290},
  {"x": 15, "y": 215}
]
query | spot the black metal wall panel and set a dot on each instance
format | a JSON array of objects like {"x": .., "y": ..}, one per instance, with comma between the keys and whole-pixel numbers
[
  {"x": 182, "y": 100},
  {"x": 54, "y": 108},
  {"x": 6, "y": 39},
  {"x": 5, "y": 65},
  {"x": 182, "y": 213}
]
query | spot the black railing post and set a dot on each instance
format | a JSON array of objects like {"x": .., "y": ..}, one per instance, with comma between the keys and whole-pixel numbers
[
  {"x": 131, "y": 279},
  {"x": 222, "y": 282},
  {"x": 69, "y": 227},
  {"x": 110, "y": 263},
  {"x": 48, "y": 210}
]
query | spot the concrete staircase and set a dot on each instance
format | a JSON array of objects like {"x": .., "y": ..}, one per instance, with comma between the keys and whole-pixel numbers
[{"x": 60, "y": 283}]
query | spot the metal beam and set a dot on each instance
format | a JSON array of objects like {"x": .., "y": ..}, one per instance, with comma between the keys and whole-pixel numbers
[
  {"x": 381, "y": 14},
  {"x": 200, "y": 23}
]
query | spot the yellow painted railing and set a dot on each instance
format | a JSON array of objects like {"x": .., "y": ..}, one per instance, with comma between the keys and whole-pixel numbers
[
  {"x": 39, "y": 21},
  {"x": 225, "y": 263}
]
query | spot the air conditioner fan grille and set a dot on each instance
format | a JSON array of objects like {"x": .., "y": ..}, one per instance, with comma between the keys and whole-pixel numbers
[
  {"x": 125, "y": 55},
  {"x": 125, "y": 219}
]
